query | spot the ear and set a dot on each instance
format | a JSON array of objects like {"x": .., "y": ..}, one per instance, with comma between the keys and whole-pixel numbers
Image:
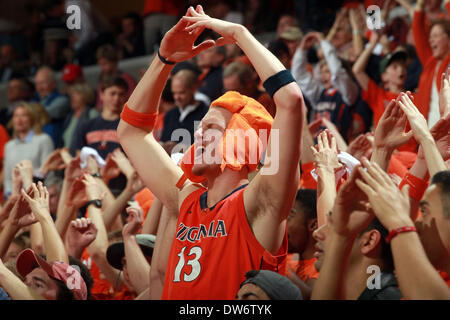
[
  {"x": 312, "y": 225},
  {"x": 369, "y": 241},
  {"x": 384, "y": 77}
]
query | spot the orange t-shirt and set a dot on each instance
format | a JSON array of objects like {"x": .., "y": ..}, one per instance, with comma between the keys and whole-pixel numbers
[
  {"x": 102, "y": 288},
  {"x": 4, "y": 138},
  {"x": 213, "y": 248},
  {"x": 304, "y": 269},
  {"x": 377, "y": 98}
]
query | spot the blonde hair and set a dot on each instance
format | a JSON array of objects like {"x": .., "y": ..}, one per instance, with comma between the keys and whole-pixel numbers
[{"x": 39, "y": 117}]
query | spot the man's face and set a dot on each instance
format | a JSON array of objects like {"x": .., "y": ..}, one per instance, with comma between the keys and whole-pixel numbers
[
  {"x": 249, "y": 291},
  {"x": 297, "y": 229},
  {"x": 325, "y": 76},
  {"x": 128, "y": 26},
  {"x": 182, "y": 93},
  {"x": 343, "y": 34},
  {"x": 208, "y": 141},
  {"x": 284, "y": 23},
  {"x": 15, "y": 91},
  {"x": 44, "y": 84},
  {"x": 54, "y": 198},
  {"x": 395, "y": 73},
  {"x": 107, "y": 67},
  {"x": 232, "y": 83},
  {"x": 438, "y": 41},
  {"x": 40, "y": 282},
  {"x": 209, "y": 58},
  {"x": 7, "y": 55},
  {"x": 113, "y": 99},
  {"x": 13, "y": 252},
  {"x": 433, "y": 227}
]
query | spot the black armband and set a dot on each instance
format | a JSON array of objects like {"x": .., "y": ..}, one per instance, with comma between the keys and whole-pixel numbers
[{"x": 278, "y": 80}]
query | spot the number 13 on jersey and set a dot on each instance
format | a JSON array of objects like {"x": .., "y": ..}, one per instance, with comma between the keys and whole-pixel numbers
[{"x": 191, "y": 261}]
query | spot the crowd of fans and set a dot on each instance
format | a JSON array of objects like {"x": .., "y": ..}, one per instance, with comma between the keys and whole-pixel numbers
[{"x": 89, "y": 208}]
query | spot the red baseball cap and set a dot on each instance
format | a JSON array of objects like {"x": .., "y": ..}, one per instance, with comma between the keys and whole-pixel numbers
[
  {"x": 28, "y": 260},
  {"x": 70, "y": 72}
]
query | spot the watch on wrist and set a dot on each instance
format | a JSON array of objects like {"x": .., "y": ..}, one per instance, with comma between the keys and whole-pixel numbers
[
  {"x": 97, "y": 175},
  {"x": 95, "y": 202}
]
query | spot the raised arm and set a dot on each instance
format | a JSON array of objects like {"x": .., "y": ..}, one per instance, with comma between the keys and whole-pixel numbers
[
  {"x": 391, "y": 206},
  {"x": 419, "y": 127},
  {"x": 390, "y": 134},
  {"x": 166, "y": 231},
  {"x": 348, "y": 219},
  {"x": 15, "y": 287},
  {"x": 420, "y": 33},
  {"x": 39, "y": 203},
  {"x": 137, "y": 266},
  {"x": 311, "y": 87},
  {"x": 137, "y": 141},
  {"x": 360, "y": 65},
  {"x": 268, "y": 198},
  {"x": 326, "y": 162}
]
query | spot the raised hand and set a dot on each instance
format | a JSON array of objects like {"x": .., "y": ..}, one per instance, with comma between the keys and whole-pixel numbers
[
  {"x": 123, "y": 163},
  {"x": 16, "y": 181},
  {"x": 111, "y": 169},
  {"x": 200, "y": 21},
  {"x": 83, "y": 190},
  {"x": 134, "y": 221},
  {"x": 6, "y": 210},
  {"x": 325, "y": 152},
  {"x": 135, "y": 183},
  {"x": 92, "y": 165},
  {"x": 65, "y": 155},
  {"x": 178, "y": 43},
  {"x": 80, "y": 234},
  {"x": 25, "y": 169},
  {"x": 441, "y": 134},
  {"x": 54, "y": 162},
  {"x": 351, "y": 213},
  {"x": 77, "y": 196},
  {"x": 391, "y": 206},
  {"x": 390, "y": 132},
  {"x": 417, "y": 121},
  {"x": 21, "y": 214},
  {"x": 308, "y": 41},
  {"x": 361, "y": 146},
  {"x": 73, "y": 170},
  {"x": 39, "y": 202}
]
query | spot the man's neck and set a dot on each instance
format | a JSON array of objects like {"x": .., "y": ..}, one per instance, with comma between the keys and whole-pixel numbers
[
  {"x": 356, "y": 278},
  {"x": 394, "y": 88},
  {"x": 108, "y": 115},
  {"x": 224, "y": 184}
]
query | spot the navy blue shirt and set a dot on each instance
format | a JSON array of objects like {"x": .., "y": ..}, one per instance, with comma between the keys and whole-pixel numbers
[{"x": 172, "y": 122}]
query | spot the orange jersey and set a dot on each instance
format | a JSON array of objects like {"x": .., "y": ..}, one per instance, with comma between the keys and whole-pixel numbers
[
  {"x": 304, "y": 269},
  {"x": 213, "y": 248},
  {"x": 102, "y": 289}
]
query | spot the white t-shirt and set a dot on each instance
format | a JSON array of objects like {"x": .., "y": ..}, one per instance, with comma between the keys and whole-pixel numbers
[{"x": 434, "y": 114}]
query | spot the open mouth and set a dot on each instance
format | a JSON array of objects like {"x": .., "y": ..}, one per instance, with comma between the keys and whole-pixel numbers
[{"x": 318, "y": 252}]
